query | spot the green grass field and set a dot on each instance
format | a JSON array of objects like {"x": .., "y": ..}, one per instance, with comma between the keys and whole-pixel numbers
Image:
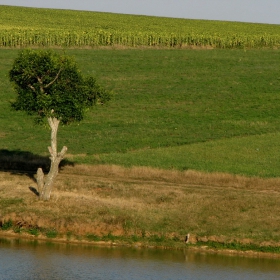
[{"x": 208, "y": 110}]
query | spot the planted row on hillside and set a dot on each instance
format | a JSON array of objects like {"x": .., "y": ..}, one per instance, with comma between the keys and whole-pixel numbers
[{"x": 60, "y": 38}]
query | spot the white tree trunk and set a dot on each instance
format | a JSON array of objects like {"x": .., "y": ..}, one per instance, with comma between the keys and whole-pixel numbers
[{"x": 45, "y": 184}]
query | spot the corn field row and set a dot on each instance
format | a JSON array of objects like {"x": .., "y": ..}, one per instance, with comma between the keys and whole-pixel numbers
[{"x": 57, "y": 38}]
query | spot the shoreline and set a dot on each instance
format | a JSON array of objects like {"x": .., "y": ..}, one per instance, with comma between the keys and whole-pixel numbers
[{"x": 8, "y": 235}]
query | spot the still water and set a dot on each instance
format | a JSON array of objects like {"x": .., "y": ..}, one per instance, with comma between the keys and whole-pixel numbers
[{"x": 30, "y": 260}]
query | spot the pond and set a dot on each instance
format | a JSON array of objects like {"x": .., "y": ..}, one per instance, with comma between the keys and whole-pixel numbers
[{"x": 21, "y": 259}]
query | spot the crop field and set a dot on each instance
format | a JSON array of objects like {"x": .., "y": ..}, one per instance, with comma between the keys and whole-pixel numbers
[{"x": 31, "y": 27}]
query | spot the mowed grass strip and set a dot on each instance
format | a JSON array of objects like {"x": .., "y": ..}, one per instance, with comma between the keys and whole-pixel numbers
[{"x": 210, "y": 110}]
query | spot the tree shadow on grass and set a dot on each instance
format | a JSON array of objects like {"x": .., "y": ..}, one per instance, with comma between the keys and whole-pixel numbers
[{"x": 26, "y": 163}]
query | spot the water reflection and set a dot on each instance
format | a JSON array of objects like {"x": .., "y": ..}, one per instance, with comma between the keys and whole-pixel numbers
[{"x": 21, "y": 259}]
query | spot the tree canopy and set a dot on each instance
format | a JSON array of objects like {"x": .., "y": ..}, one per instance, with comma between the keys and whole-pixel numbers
[{"x": 49, "y": 84}]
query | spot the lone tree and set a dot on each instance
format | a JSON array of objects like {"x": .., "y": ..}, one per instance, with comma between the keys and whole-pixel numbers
[{"x": 50, "y": 86}]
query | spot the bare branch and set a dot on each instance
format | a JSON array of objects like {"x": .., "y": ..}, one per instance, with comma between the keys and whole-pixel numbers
[
  {"x": 49, "y": 84},
  {"x": 33, "y": 88},
  {"x": 62, "y": 153},
  {"x": 40, "y": 80},
  {"x": 51, "y": 151},
  {"x": 40, "y": 180}
]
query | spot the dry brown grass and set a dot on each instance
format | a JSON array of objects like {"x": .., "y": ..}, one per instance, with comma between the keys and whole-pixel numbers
[
  {"x": 190, "y": 177},
  {"x": 143, "y": 201}
]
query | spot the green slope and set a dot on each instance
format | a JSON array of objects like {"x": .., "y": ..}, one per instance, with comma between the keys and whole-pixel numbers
[{"x": 198, "y": 109}]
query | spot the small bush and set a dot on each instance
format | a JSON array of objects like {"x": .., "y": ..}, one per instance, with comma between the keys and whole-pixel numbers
[
  {"x": 17, "y": 229},
  {"x": 93, "y": 237},
  {"x": 33, "y": 231},
  {"x": 69, "y": 234},
  {"x": 51, "y": 233},
  {"x": 156, "y": 238},
  {"x": 134, "y": 238},
  {"x": 7, "y": 225}
]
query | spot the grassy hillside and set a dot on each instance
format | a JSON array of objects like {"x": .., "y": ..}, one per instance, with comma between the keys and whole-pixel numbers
[
  {"x": 209, "y": 110},
  {"x": 49, "y": 27}
]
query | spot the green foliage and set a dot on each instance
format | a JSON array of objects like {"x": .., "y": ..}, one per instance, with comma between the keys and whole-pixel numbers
[
  {"x": 156, "y": 238},
  {"x": 93, "y": 237},
  {"x": 34, "y": 231},
  {"x": 239, "y": 246},
  {"x": 69, "y": 235},
  {"x": 7, "y": 225},
  {"x": 51, "y": 233},
  {"x": 17, "y": 229},
  {"x": 50, "y": 85}
]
